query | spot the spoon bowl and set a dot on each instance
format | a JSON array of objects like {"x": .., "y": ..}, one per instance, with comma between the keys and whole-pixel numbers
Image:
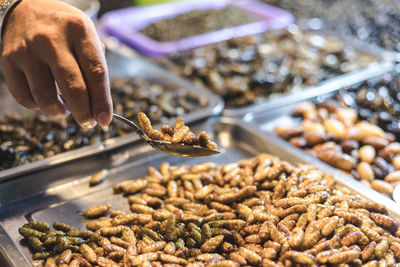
[{"x": 176, "y": 150}]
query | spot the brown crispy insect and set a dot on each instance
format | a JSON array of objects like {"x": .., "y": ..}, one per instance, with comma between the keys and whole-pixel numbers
[
  {"x": 50, "y": 262},
  {"x": 65, "y": 257},
  {"x": 141, "y": 209},
  {"x": 212, "y": 244},
  {"x": 300, "y": 257},
  {"x": 351, "y": 238},
  {"x": 384, "y": 221},
  {"x": 296, "y": 238},
  {"x": 349, "y": 217},
  {"x": 225, "y": 263},
  {"x": 137, "y": 260},
  {"x": 368, "y": 251},
  {"x": 88, "y": 253},
  {"x": 395, "y": 247},
  {"x": 381, "y": 248},
  {"x": 250, "y": 256},
  {"x": 236, "y": 257},
  {"x": 172, "y": 259},
  {"x": 330, "y": 226},
  {"x": 98, "y": 177},
  {"x": 343, "y": 256},
  {"x": 166, "y": 129},
  {"x": 97, "y": 211}
]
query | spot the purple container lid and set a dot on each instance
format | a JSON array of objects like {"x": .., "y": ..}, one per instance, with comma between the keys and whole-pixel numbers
[{"x": 125, "y": 24}]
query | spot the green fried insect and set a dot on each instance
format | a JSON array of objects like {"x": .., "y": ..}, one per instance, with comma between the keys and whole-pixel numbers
[
  {"x": 50, "y": 241},
  {"x": 80, "y": 233},
  {"x": 56, "y": 233},
  {"x": 62, "y": 227},
  {"x": 206, "y": 232},
  {"x": 191, "y": 243},
  {"x": 35, "y": 243},
  {"x": 176, "y": 232},
  {"x": 42, "y": 255},
  {"x": 148, "y": 240},
  {"x": 193, "y": 226},
  {"x": 170, "y": 224},
  {"x": 196, "y": 235},
  {"x": 27, "y": 232},
  {"x": 152, "y": 234},
  {"x": 69, "y": 240},
  {"x": 220, "y": 231},
  {"x": 39, "y": 226},
  {"x": 179, "y": 243}
]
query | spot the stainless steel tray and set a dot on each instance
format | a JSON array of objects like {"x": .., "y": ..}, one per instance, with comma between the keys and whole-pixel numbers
[
  {"x": 383, "y": 62},
  {"x": 120, "y": 65},
  {"x": 60, "y": 198}
]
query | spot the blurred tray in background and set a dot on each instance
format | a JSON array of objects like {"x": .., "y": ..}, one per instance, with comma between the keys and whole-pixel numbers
[
  {"x": 372, "y": 21},
  {"x": 125, "y": 24},
  {"x": 374, "y": 100},
  {"x": 271, "y": 69}
]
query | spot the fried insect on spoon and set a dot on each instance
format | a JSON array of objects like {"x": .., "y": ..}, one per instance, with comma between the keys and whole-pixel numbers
[{"x": 179, "y": 134}]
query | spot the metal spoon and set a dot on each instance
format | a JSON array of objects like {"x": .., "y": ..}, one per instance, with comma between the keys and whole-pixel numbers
[
  {"x": 176, "y": 150},
  {"x": 396, "y": 194}
]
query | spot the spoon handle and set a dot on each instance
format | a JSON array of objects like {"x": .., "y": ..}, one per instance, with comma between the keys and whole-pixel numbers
[{"x": 130, "y": 124}]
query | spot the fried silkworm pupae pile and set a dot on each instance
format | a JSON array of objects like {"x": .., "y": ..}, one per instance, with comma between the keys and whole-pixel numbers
[
  {"x": 180, "y": 134},
  {"x": 336, "y": 135},
  {"x": 259, "y": 211}
]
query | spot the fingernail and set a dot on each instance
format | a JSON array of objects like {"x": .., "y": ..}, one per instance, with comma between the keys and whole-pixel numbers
[
  {"x": 103, "y": 118},
  {"x": 89, "y": 124}
]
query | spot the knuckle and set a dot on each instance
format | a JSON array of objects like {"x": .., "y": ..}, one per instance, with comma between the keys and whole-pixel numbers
[
  {"x": 44, "y": 38},
  {"x": 78, "y": 22},
  {"x": 97, "y": 70}
]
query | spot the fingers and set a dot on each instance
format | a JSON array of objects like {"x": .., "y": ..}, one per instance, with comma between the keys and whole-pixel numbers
[
  {"x": 92, "y": 62},
  {"x": 43, "y": 89},
  {"x": 73, "y": 88},
  {"x": 18, "y": 86}
]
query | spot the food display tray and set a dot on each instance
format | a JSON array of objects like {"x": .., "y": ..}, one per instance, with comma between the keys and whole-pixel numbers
[
  {"x": 63, "y": 197},
  {"x": 125, "y": 65},
  {"x": 282, "y": 116},
  {"x": 261, "y": 113},
  {"x": 336, "y": 83},
  {"x": 125, "y": 24},
  {"x": 384, "y": 63}
]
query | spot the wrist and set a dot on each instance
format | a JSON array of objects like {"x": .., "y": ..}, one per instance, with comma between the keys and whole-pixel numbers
[{"x": 6, "y": 8}]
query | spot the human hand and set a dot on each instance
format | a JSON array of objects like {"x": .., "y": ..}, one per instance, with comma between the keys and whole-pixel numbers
[{"x": 47, "y": 42}]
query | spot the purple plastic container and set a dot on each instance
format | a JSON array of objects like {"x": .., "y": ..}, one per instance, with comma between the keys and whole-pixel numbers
[{"x": 125, "y": 24}]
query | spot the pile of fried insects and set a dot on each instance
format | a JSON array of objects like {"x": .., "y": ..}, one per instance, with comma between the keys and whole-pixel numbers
[
  {"x": 180, "y": 134},
  {"x": 256, "y": 212}
]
